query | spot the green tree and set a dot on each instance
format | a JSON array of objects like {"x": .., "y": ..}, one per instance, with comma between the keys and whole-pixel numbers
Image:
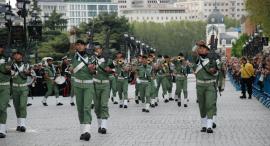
[
  {"x": 108, "y": 30},
  {"x": 260, "y": 13},
  {"x": 171, "y": 37},
  {"x": 230, "y": 22},
  {"x": 237, "y": 48},
  {"x": 56, "y": 21}
]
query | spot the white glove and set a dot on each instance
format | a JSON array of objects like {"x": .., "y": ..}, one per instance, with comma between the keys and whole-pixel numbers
[
  {"x": 138, "y": 81},
  {"x": 155, "y": 83}
]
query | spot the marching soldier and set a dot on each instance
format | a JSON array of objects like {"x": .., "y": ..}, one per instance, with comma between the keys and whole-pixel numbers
[
  {"x": 4, "y": 90},
  {"x": 166, "y": 79},
  {"x": 19, "y": 72},
  {"x": 65, "y": 67},
  {"x": 206, "y": 72},
  {"x": 154, "y": 65},
  {"x": 104, "y": 67},
  {"x": 122, "y": 74},
  {"x": 113, "y": 81},
  {"x": 83, "y": 72},
  {"x": 137, "y": 88},
  {"x": 158, "y": 74},
  {"x": 144, "y": 78},
  {"x": 180, "y": 73},
  {"x": 49, "y": 76}
]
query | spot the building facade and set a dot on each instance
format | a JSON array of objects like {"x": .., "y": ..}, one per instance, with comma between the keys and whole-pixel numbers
[
  {"x": 176, "y": 10},
  {"x": 77, "y": 11}
]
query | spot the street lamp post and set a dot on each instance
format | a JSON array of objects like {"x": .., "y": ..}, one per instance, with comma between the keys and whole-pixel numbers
[
  {"x": 9, "y": 16},
  {"x": 35, "y": 30},
  {"x": 131, "y": 39},
  {"x": 23, "y": 6}
]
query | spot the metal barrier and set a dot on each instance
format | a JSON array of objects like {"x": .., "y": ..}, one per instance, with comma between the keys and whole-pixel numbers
[{"x": 262, "y": 93}]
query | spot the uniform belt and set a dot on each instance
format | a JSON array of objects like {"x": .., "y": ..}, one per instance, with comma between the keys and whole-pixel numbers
[
  {"x": 121, "y": 78},
  {"x": 52, "y": 78},
  {"x": 144, "y": 81},
  {"x": 206, "y": 81},
  {"x": 20, "y": 85},
  {"x": 180, "y": 75},
  {"x": 83, "y": 81},
  {"x": 101, "y": 81},
  {"x": 4, "y": 84}
]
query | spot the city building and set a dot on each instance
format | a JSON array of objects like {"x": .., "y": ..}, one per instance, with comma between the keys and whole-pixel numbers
[
  {"x": 84, "y": 10},
  {"x": 77, "y": 11},
  {"x": 48, "y": 6},
  {"x": 230, "y": 8},
  {"x": 177, "y": 10}
]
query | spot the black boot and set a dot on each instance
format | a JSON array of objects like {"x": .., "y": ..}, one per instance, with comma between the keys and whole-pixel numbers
[
  {"x": 166, "y": 100},
  {"x": 2, "y": 135},
  {"x": 179, "y": 104},
  {"x": 86, "y": 136},
  {"x": 23, "y": 129},
  {"x": 29, "y": 104},
  {"x": 137, "y": 101},
  {"x": 209, "y": 130},
  {"x": 214, "y": 125},
  {"x": 59, "y": 104},
  {"x": 103, "y": 131},
  {"x": 250, "y": 96},
  {"x": 203, "y": 129}
]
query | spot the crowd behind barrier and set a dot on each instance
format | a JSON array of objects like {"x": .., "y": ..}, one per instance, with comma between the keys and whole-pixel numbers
[{"x": 261, "y": 83}]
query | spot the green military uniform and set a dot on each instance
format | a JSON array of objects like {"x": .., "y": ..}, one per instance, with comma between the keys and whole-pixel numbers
[
  {"x": 137, "y": 86},
  {"x": 4, "y": 94},
  {"x": 180, "y": 73},
  {"x": 102, "y": 91},
  {"x": 113, "y": 88},
  {"x": 166, "y": 83},
  {"x": 20, "y": 92},
  {"x": 83, "y": 89},
  {"x": 206, "y": 90},
  {"x": 122, "y": 84},
  {"x": 153, "y": 93},
  {"x": 144, "y": 79},
  {"x": 51, "y": 85}
]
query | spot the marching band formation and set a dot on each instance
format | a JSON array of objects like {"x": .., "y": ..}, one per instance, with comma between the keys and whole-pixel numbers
[{"x": 94, "y": 76}]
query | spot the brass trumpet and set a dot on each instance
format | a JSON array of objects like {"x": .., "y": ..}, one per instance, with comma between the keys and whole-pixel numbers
[{"x": 120, "y": 62}]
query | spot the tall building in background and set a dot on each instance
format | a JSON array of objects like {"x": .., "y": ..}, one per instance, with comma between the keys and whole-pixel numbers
[
  {"x": 47, "y": 7},
  {"x": 177, "y": 10},
  {"x": 84, "y": 10},
  {"x": 159, "y": 10},
  {"x": 230, "y": 8},
  {"x": 77, "y": 11}
]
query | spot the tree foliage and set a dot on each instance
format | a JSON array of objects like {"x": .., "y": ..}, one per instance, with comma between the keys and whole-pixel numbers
[
  {"x": 55, "y": 21},
  {"x": 106, "y": 27},
  {"x": 230, "y": 22},
  {"x": 171, "y": 37},
  {"x": 260, "y": 13},
  {"x": 237, "y": 48}
]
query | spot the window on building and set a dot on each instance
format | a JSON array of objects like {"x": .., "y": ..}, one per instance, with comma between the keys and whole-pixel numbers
[
  {"x": 102, "y": 7},
  {"x": 92, "y": 7}
]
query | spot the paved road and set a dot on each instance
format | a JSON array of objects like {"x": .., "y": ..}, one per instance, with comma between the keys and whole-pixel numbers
[{"x": 240, "y": 123}]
